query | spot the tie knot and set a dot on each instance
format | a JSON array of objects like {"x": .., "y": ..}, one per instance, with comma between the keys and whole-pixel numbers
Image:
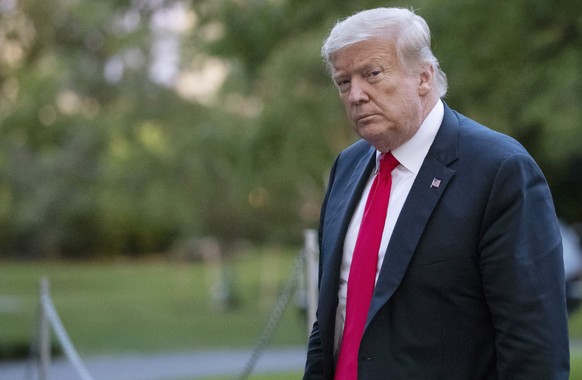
[{"x": 387, "y": 163}]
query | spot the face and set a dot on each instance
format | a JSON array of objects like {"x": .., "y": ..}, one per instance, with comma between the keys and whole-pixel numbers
[{"x": 385, "y": 103}]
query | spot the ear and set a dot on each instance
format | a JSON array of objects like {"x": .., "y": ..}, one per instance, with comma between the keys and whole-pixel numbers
[{"x": 426, "y": 80}]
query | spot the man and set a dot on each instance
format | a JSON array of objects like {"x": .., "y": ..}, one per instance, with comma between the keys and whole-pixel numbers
[{"x": 467, "y": 272}]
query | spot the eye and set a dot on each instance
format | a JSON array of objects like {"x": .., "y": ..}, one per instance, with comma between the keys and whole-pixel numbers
[
  {"x": 374, "y": 73},
  {"x": 343, "y": 84}
]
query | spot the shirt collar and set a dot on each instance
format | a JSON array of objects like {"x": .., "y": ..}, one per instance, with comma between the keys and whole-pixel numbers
[{"x": 411, "y": 154}]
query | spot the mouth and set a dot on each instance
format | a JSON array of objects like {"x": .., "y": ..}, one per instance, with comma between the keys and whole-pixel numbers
[{"x": 364, "y": 118}]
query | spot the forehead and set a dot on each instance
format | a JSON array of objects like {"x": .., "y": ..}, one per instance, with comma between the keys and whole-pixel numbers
[{"x": 361, "y": 54}]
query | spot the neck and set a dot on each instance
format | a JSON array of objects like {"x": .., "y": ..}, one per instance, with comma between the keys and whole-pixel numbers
[{"x": 431, "y": 100}]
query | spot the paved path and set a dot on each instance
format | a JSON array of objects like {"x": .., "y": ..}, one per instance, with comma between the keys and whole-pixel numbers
[{"x": 183, "y": 365}]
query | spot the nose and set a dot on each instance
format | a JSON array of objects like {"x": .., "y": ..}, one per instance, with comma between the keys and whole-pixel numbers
[{"x": 358, "y": 92}]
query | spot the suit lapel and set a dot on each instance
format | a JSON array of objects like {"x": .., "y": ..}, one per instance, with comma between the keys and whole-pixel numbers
[
  {"x": 349, "y": 201},
  {"x": 336, "y": 231},
  {"x": 429, "y": 185}
]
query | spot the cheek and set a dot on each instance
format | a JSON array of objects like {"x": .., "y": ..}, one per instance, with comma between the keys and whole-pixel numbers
[
  {"x": 347, "y": 106},
  {"x": 392, "y": 96},
  {"x": 406, "y": 100}
]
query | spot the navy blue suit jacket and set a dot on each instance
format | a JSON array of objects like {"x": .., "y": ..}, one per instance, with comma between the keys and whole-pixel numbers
[{"x": 472, "y": 283}]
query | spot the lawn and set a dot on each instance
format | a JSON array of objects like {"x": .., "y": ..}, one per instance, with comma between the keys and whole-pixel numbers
[
  {"x": 150, "y": 306},
  {"x": 158, "y": 305}
]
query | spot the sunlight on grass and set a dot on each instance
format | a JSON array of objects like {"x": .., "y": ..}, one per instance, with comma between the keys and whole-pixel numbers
[
  {"x": 163, "y": 306},
  {"x": 575, "y": 324},
  {"x": 152, "y": 306}
]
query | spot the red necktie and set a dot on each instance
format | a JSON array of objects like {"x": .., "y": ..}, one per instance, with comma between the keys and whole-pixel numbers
[{"x": 362, "y": 275}]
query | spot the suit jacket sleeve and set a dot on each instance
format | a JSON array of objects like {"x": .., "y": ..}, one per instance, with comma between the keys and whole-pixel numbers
[
  {"x": 523, "y": 275},
  {"x": 314, "y": 367}
]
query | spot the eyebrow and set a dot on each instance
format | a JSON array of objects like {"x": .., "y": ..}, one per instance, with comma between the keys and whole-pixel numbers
[{"x": 381, "y": 64}]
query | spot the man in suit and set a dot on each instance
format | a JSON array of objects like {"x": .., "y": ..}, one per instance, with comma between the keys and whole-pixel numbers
[{"x": 468, "y": 278}]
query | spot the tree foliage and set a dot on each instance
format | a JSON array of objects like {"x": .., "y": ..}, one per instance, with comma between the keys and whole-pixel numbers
[{"x": 128, "y": 126}]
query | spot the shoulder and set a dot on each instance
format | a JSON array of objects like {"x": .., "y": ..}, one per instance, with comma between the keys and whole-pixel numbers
[
  {"x": 481, "y": 156},
  {"x": 354, "y": 159},
  {"x": 352, "y": 155},
  {"x": 357, "y": 150},
  {"x": 483, "y": 143}
]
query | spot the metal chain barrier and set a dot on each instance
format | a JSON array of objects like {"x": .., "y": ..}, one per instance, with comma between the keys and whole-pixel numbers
[
  {"x": 63, "y": 337},
  {"x": 275, "y": 317},
  {"x": 33, "y": 352},
  {"x": 49, "y": 317}
]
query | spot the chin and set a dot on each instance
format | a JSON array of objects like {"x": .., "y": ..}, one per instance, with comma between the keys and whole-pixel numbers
[
  {"x": 370, "y": 132},
  {"x": 383, "y": 144}
]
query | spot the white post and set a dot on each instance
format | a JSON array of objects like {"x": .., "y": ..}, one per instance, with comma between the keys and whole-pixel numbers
[
  {"x": 312, "y": 269},
  {"x": 44, "y": 343},
  {"x": 63, "y": 337}
]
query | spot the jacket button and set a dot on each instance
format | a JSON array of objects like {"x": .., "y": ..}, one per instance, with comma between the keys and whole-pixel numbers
[{"x": 367, "y": 358}]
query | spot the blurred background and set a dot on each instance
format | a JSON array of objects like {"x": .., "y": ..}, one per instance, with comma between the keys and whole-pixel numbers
[{"x": 161, "y": 159}]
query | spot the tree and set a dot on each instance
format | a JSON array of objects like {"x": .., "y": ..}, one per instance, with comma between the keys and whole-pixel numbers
[
  {"x": 513, "y": 66},
  {"x": 126, "y": 126}
]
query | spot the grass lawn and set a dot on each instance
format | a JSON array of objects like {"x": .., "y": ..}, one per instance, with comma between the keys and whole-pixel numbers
[
  {"x": 150, "y": 306},
  {"x": 576, "y": 365},
  {"x": 156, "y": 305},
  {"x": 575, "y": 325}
]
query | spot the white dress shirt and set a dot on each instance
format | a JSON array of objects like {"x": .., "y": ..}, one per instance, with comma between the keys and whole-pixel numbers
[{"x": 410, "y": 155}]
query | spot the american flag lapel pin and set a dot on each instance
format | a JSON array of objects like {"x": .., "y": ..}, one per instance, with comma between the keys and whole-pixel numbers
[{"x": 435, "y": 183}]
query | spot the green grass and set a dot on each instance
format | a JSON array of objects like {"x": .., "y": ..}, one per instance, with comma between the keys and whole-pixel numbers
[
  {"x": 576, "y": 365},
  {"x": 151, "y": 306},
  {"x": 575, "y": 325}
]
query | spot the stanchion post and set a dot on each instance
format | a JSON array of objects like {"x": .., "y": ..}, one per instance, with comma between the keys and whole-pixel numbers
[
  {"x": 312, "y": 268},
  {"x": 44, "y": 342}
]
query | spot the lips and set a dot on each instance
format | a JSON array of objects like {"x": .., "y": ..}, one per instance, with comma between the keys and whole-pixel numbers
[{"x": 363, "y": 118}]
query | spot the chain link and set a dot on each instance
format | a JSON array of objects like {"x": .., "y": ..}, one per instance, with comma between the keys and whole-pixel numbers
[{"x": 275, "y": 317}]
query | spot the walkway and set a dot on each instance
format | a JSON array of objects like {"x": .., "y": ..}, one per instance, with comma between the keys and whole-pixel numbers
[
  {"x": 177, "y": 366},
  {"x": 183, "y": 365}
]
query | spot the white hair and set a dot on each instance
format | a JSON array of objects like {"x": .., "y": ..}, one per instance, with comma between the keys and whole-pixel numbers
[{"x": 409, "y": 31}]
